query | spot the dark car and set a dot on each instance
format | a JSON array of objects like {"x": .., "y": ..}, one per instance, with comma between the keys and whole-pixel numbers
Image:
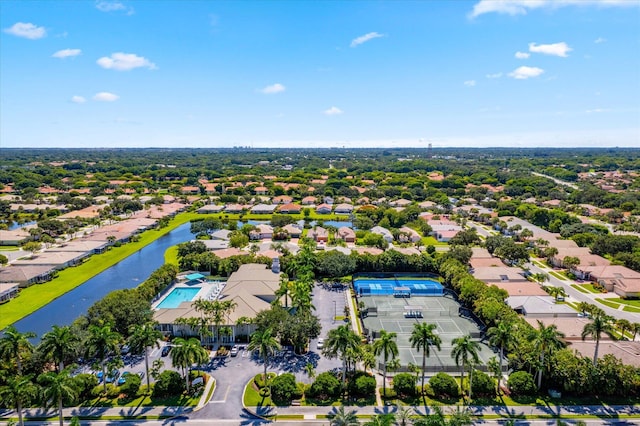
[
  {"x": 165, "y": 350},
  {"x": 123, "y": 378}
]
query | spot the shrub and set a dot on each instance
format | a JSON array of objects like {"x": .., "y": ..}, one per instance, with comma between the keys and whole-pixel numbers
[
  {"x": 169, "y": 383},
  {"x": 258, "y": 379},
  {"x": 389, "y": 393},
  {"x": 363, "y": 385},
  {"x": 131, "y": 386},
  {"x": 112, "y": 391},
  {"x": 85, "y": 383},
  {"x": 443, "y": 384},
  {"x": 325, "y": 386},
  {"x": 283, "y": 388},
  {"x": 482, "y": 384},
  {"x": 521, "y": 383},
  {"x": 404, "y": 384}
]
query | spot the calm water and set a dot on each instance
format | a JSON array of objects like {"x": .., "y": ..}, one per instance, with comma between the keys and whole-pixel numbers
[
  {"x": 177, "y": 296},
  {"x": 128, "y": 273}
]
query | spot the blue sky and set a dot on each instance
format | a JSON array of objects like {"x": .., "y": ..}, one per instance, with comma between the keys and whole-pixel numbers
[{"x": 318, "y": 74}]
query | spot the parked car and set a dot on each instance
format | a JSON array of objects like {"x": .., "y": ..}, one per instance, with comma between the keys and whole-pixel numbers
[
  {"x": 234, "y": 350},
  {"x": 124, "y": 350},
  {"x": 320, "y": 344},
  {"x": 112, "y": 376},
  {"x": 123, "y": 378},
  {"x": 165, "y": 350}
]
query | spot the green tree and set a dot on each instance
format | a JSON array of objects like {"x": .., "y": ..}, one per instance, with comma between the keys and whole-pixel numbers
[
  {"x": 58, "y": 389},
  {"x": 187, "y": 352},
  {"x": 142, "y": 338},
  {"x": 339, "y": 341},
  {"x": 15, "y": 345},
  {"x": 59, "y": 344},
  {"x": 599, "y": 324},
  {"x": 422, "y": 338},
  {"x": 266, "y": 345},
  {"x": 386, "y": 346},
  {"x": 623, "y": 325},
  {"x": 546, "y": 340},
  {"x": 465, "y": 351},
  {"x": 101, "y": 343},
  {"x": 502, "y": 336},
  {"x": 339, "y": 417},
  {"x": 17, "y": 392}
]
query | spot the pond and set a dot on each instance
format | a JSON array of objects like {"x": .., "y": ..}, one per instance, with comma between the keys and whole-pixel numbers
[{"x": 128, "y": 273}]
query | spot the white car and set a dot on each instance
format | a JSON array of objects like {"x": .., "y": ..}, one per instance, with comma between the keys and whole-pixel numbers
[{"x": 320, "y": 344}]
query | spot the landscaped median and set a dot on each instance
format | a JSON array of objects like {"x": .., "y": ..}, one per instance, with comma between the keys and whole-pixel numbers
[{"x": 35, "y": 297}]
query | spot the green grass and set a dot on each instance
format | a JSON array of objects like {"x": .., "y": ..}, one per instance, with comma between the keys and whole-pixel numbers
[
  {"x": 252, "y": 397},
  {"x": 144, "y": 401},
  {"x": 630, "y": 302},
  {"x": 539, "y": 264},
  {"x": 586, "y": 288},
  {"x": 558, "y": 276},
  {"x": 38, "y": 295},
  {"x": 171, "y": 255},
  {"x": 631, "y": 309},
  {"x": 608, "y": 303},
  {"x": 9, "y": 248},
  {"x": 431, "y": 241}
]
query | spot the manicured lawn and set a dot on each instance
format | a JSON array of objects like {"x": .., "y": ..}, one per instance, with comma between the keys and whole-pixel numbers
[
  {"x": 252, "y": 397},
  {"x": 576, "y": 286},
  {"x": 585, "y": 288},
  {"x": 171, "y": 255},
  {"x": 608, "y": 303},
  {"x": 37, "y": 296},
  {"x": 539, "y": 264},
  {"x": 558, "y": 276},
  {"x": 630, "y": 302},
  {"x": 9, "y": 248},
  {"x": 431, "y": 241},
  {"x": 144, "y": 401},
  {"x": 631, "y": 309}
]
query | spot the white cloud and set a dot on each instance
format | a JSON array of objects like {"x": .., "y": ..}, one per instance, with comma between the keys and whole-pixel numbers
[
  {"x": 113, "y": 6},
  {"x": 78, "y": 99},
  {"x": 273, "y": 89},
  {"x": 521, "y": 7},
  {"x": 365, "y": 38},
  {"x": 556, "y": 49},
  {"x": 596, "y": 110},
  {"x": 125, "y": 62},
  {"x": 522, "y": 55},
  {"x": 494, "y": 75},
  {"x": 470, "y": 83},
  {"x": 599, "y": 40},
  {"x": 26, "y": 30},
  {"x": 523, "y": 73},
  {"x": 332, "y": 111},
  {"x": 105, "y": 97},
  {"x": 66, "y": 53}
]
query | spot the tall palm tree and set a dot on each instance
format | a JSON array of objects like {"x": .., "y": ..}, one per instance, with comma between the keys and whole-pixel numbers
[
  {"x": 584, "y": 307},
  {"x": 422, "y": 338},
  {"x": 59, "y": 344},
  {"x": 301, "y": 297},
  {"x": 58, "y": 388},
  {"x": 635, "y": 327},
  {"x": 143, "y": 337},
  {"x": 266, "y": 345},
  {"x": 14, "y": 345},
  {"x": 599, "y": 324},
  {"x": 465, "y": 351},
  {"x": 187, "y": 352},
  {"x": 502, "y": 336},
  {"x": 623, "y": 325},
  {"x": 284, "y": 289},
  {"x": 386, "y": 346},
  {"x": 102, "y": 342},
  {"x": 403, "y": 415},
  {"x": 546, "y": 340},
  {"x": 18, "y": 391},
  {"x": 382, "y": 419},
  {"x": 338, "y": 342},
  {"x": 339, "y": 417}
]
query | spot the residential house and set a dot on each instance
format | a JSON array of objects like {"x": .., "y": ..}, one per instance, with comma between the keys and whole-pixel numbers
[
  {"x": 282, "y": 199},
  {"x": 26, "y": 275},
  {"x": 13, "y": 238},
  {"x": 499, "y": 274},
  {"x": 540, "y": 307},
  {"x": 294, "y": 231},
  {"x": 262, "y": 232},
  {"x": 346, "y": 234},
  {"x": 619, "y": 279},
  {"x": 263, "y": 208},
  {"x": 386, "y": 234},
  {"x": 318, "y": 234},
  {"x": 8, "y": 291},
  {"x": 210, "y": 208},
  {"x": 323, "y": 208},
  {"x": 261, "y": 190},
  {"x": 343, "y": 208},
  {"x": 290, "y": 208},
  {"x": 308, "y": 201},
  {"x": 233, "y": 208},
  {"x": 221, "y": 234},
  {"x": 409, "y": 235}
]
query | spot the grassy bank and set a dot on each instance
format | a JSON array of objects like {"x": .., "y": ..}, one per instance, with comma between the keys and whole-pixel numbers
[{"x": 35, "y": 297}]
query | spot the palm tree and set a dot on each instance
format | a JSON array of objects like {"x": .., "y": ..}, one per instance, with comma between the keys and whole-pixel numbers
[
  {"x": 14, "y": 345},
  {"x": 502, "y": 336},
  {"x": 339, "y": 417},
  {"x": 546, "y": 340},
  {"x": 59, "y": 344},
  {"x": 623, "y": 325},
  {"x": 635, "y": 327},
  {"x": 422, "y": 337},
  {"x": 556, "y": 292},
  {"x": 403, "y": 415},
  {"x": 102, "y": 342},
  {"x": 386, "y": 346},
  {"x": 58, "y": 388},
  {"x": 495, "y": 367},
  {"x": 584, "y": 307},
  {"x": 301, "y": 297},
  {"x": 540, "y": 277},
  {"x": 187, "y": 352},
  {"x": 338, "y": 342},
  {"x": 143, "y": 337},
  {"x": 284, "y": 289},
  {"x": 382, "y": 419},
  {"x": 598, "y": 325},
  {"x": 266, "y": 345},
  {"x": 17, "y": 392},
  {"x": 464, "y": 351}
]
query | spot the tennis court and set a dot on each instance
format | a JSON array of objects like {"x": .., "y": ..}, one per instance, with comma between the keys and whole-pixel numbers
[{"x": 393, "y": 315}]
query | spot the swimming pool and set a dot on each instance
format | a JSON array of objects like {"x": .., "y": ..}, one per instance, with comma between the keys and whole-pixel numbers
[
  {"x": 177, "y": 296},
  {"x": 386, "y": 286}
]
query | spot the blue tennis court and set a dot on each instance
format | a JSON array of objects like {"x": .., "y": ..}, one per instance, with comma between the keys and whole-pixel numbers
[{"x": 398, "y": 287}]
